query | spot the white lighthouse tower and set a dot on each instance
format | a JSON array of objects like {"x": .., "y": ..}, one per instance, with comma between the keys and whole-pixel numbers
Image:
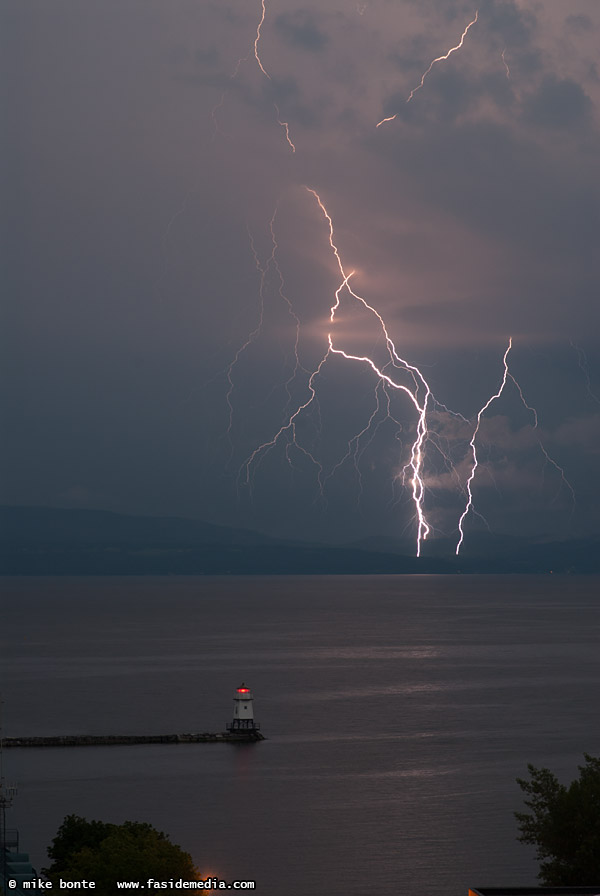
[{"x": 243, "y": 712}]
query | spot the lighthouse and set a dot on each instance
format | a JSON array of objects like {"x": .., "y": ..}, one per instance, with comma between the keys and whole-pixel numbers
[{"x": 243, "y": 712}]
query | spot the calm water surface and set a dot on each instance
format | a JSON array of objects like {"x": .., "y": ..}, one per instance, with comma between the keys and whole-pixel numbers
[{"x": 398, "y": 711}]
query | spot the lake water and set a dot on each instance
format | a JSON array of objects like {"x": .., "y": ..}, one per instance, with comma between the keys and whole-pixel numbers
[{"x": 398, "y": 711}]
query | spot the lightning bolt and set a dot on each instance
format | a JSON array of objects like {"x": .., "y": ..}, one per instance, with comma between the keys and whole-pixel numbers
[
  {"x": 444, "y": 57},
  {"x": 507, "y": 375},
  {"x": 434, "y": 62},
  {"x": 420, "y": 394},
  {"x": 390, "y": 379},
  {"x": 384, "y": 120},
  {"x": 288, "y": 428},
  {"x": 475, "y": 463},
  {"x": 396, "y": 375},
  {"x": 505, "y": 64},
  {"x": 417, "y": 453},
  {"x": 420, "y": 384},
  {"x": 284, "y": 125},
  {"x": 257, "y": 39}
]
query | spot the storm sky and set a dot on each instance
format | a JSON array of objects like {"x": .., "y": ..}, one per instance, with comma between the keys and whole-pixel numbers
[{"x": 147, "y": 162}]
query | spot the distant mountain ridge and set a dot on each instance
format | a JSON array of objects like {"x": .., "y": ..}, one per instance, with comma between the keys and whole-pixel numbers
[
  {"x": 54, "y": 525},
  {"x": 53, "y": 541}
]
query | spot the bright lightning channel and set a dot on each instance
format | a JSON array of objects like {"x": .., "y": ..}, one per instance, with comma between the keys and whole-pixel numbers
[
  {"x": 434, "y": 62},
  {"x": 507, "y": 375},
  {"x": 475, "y": 463},
  {"x": 420, "y": 394},
  {"x": 257, "y": 39},
  {"x": 286, "y": 128}
]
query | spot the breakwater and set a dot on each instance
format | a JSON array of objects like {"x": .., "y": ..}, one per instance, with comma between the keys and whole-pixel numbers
[{"x": 110, "y": 740}]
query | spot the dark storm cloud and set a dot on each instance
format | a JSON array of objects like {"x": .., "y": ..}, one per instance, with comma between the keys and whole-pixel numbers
[
  {"x": 494, "y": 178},
  {"x": 582, "y": 433},
  {"x": 148, "y": 162},
  {"x": 493, "y": 172},
  {"x": 299, "y": 29},
  {"x": 209, "y": 57},
  {"x": 298, "y": 108},
  {"x": 510, "y": 23},
  {"x": 550, "y": 278},
  {"x": 579, "y": 23},
  {"x": 508, "y": 19},
  {"x": 450, "y": 94},
  {"x": 502, "y": 26},
  {"x": 446, "y": 11},
  {"x": 559, "y": 103}
]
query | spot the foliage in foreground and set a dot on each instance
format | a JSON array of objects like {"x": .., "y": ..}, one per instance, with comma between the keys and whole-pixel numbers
[
  {"x": 564, "y": 824},
  {"x": 106, "y": 853}
]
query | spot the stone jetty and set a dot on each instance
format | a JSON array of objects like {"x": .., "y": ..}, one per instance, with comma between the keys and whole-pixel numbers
[{"x": 120, "y": 740}]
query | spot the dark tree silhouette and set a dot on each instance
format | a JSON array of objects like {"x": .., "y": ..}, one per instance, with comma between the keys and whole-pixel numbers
[
  {"x": 106, "y": 853},
  {"x": 563, "y": 824}
]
